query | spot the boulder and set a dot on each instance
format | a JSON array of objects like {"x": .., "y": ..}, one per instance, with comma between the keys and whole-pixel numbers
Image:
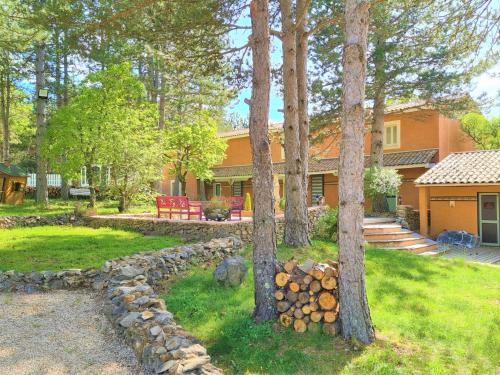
[{"x": 231, "y": 271}]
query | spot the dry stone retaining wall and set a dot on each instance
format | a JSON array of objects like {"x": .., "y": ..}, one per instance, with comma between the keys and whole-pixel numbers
[
  {"x": 133, "y": 306},
  {"x": 7, "y": 222}
]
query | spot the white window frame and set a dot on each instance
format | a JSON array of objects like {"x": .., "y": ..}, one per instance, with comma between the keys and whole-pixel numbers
[
  {"x": 172, "y": 183},
  {"x": 392, "y": 125},
  {"x": 83, "y": 177},
  {"x": 215, "y": 189}
]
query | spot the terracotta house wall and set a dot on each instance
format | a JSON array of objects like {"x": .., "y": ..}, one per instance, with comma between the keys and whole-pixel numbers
[
  {"x": 408, "y": 193},
  {"x": 452, "y": 138},
  {"x": 239, "y": 151},
  {"x": 452, "y": 213}
]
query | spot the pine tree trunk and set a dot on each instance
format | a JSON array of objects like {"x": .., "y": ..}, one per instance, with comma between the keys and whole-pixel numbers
[
  {"x": 5, "y": 98},
  {"x": 203, "y": 193},
  {"x": 354, "y": 311},
  {"x": 65, "y": 185},
  {"x": 379, "y": 203},
  {"x": 42, "y": 196},
  {"x": 302, "y": 47},
  {"x": 296, "y": 224},
  {"x": 264, "y": 226}
]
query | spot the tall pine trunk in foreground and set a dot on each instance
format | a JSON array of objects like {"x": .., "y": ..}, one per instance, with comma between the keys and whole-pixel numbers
[
  {"x": 264, "y": 226},
  {"x": 5, "y": 100},
  {"x": 379, "y": 203},
  {"x": 296, "y": 224},
  {"x": 42, "y": 196},
  {"x": 354, "y": 311}
]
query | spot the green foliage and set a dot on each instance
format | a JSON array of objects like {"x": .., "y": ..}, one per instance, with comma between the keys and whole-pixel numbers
[
  {"x": 486, "y": 133},
  {"x": 382, "y": 181},
  {"x": 327, "y": 226},
  {"x": 62, "y": 247},
  {"x": 217, "y": 203},
  {"x": 108, "y": 123},
  {"x": 427, "y": 323},
  {"x": 282, "y": 203},
  {"x": 193, "y": 146},
  {"x": 247, "y": 203}
]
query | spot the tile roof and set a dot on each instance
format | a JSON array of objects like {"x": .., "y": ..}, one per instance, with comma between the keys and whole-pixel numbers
[
  {"x": 471, "y": 167},
  {"x": 393, "y": 159},
  {"x": 12, "y": 170}
]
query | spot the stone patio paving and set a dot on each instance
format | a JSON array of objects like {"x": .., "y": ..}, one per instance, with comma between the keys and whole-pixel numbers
[{"x": 484, "y": 254}]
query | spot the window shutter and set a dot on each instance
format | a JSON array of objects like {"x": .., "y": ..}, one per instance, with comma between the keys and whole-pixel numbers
[
  {"x": 237, "y": 188},
  {"x": 317, "y": 184}
]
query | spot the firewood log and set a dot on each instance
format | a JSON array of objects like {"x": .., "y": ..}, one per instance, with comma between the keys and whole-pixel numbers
[
  {"x": 308, "y": 279},
  {"x": 329, "y": 283},
  {"x": 304, "y": 287},
  {"x": 283, "y": 306},
  {"x": 315, "y": 286},
  {"x": 285, "y": 320},
  {"x": 299, "y": 325},
  {"x": 306, "y": 309},
  {"x": 314, "y": 306},
  {"x": 290, "y": 265},
  {"x": 330, "y": 316},
  {"x": 289, "y": 312},
  {"x": 331, "y": 272},
  {"x": 306, "y": 266},
  {"x": 279, "y": 294},
  {"x": 316, "y": 316},
  {"x": 306, "y": 319},
  {"x": 330, "y": 328},
  {"x": 298, "y": 314},
  {"x": 298, "y": 304},
  {"x": 327, "y": 301},
  {"x": 304, "y": 297},
  {"x": 312, "y": 298},
  {"x": 294, "y": 287},
  {"x": 318, "y": 271},
  {"x": 282, "y": 279},
  {"x": 292, "y": 296}
]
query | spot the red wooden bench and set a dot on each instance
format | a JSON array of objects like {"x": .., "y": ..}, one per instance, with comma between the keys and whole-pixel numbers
[
  {"x": 236, "y": 206},
  {"x": 178, "y": 205}
]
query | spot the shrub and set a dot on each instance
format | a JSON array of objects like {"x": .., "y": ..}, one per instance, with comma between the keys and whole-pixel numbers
[
  {"x": 326, "y": 227},
  {"x": 382, "y": 181},
  {"x": 247, "y": 204},
  {"x": 282, "y": 203},
  {"x": 217, "y": 203}
]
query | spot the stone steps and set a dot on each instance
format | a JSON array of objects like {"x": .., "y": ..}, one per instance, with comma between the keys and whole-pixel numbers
[{"x": 386, "y": 233}]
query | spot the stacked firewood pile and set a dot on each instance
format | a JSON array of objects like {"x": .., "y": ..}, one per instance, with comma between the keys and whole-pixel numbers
[{"x": 307, "y": 297}]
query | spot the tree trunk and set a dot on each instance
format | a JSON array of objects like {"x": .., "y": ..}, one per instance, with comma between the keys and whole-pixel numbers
[
  {"x": 264, "y": 226},
  {"x": 161, "y": 105},
  {"x": 42, "y": 196},
  {"x": 5, "y": 97},
  {"x": 302, "y": 49},
  {"x": 203, "y": 193},
  {"x": 65, "y": 185},
  {"x": 296, "y": 224},
  {"x": 124, "y": 203},
  {"x": 354, "y": 311},
  {"x": 379, "y": 203}
]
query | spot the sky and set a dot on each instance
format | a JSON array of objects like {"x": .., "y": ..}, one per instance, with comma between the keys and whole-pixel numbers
[{"x": 488, "y": 82}]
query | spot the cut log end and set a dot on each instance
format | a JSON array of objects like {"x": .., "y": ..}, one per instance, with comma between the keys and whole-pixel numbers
[
  {"x": 282, "y": 279},
  {"x": 299, "y": 325}
]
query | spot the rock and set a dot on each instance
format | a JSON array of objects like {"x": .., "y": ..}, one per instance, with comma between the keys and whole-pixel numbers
[
  {"x": 175, "y": 342},
  {"x": 155, "y": 331},
  {"x": 129, "y": 319},
  {"x": 129, "y": 272},
  {"x": 164, "y": 367},
  {"x": 147, "y": 315},
  {"x": 231, "y": 271},
  {"x": 194, "y": 363}
]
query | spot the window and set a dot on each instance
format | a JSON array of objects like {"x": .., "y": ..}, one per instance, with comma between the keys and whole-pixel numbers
[
  {"x": 83, "y": 177},
  {"x": 17, "y": 186},
  {"x": 237, "y": 188},
  {"x": 172, "y": 188},
  {"x": 317, "y": 188},
  {"x": 392, "y": 134},
  {"x": 217, "y": 190}
]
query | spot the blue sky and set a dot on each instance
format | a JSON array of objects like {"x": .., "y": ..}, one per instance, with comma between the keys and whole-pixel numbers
[{"x": 488, "y": 82}]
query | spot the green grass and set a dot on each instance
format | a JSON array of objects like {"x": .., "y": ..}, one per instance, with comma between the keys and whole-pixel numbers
[
  {"x": 62, "y": 247},
  {"x": 59, "y": 207},
  {"x": 432, "y": 316}
]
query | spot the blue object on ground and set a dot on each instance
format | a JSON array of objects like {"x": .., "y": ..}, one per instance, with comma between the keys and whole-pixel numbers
[{"x": 458, "y": 238}]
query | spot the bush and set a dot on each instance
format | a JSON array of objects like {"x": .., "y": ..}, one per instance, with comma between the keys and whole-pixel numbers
[
  {"x": 326, "y": 227},
  {"x": 247, "y": 204},
  {"x": 282, "y": 203},
  {"x": 382, "y": 181},
  {"x": 217, "y": 203}
]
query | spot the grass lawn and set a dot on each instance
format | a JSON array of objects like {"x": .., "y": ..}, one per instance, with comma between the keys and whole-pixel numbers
[
  {"x": 62, "y": 247},
  {"x": 59, "y": 207},
  {"x": 432, "y": 316}
]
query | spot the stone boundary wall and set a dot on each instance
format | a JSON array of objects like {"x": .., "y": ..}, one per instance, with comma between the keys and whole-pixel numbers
[
  {"x": 7, "y": 222},
  {"x": 193, "y": 230},
  {"x": 133, "y": 306}
]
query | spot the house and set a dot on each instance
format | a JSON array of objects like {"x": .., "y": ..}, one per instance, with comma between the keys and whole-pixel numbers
[
  {"x": 462, "y": 192},
  {"x": 12, "y": 184},
  {"x": 416, "y": 137}
]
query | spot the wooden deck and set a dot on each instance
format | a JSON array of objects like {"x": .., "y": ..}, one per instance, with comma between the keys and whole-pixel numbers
[{"x": 484, "y": 254}]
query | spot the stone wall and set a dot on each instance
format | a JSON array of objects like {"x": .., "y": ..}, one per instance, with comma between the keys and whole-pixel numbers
[
  {"x": 35, "y": 221},
  {"x": 192, "y": 230},
  {"x": 132, "y": 304}
]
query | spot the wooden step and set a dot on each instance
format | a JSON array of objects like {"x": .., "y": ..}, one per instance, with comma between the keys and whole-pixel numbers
[
  {"x": 398, "y": 242},
  {"x": 381, "y": 228},
  {"x": 428, "y": 245},
  {"x": 378, "y": 220},
  {"x": 403, "y": 233}
]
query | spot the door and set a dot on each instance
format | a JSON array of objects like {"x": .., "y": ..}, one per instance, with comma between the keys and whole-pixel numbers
[{"x": 489, "y": 218}]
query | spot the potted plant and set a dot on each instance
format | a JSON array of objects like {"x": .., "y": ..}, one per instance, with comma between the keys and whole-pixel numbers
[{"x": 218, "y": 210}]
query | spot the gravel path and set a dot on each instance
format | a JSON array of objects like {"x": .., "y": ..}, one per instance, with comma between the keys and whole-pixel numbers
[{"x": 59, "y": 333}]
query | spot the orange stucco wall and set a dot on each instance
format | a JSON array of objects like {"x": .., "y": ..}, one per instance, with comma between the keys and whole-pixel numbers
[
  {"x": 452, "y": 138},
  {"x": 453, "y": 213},
  {"x": 239, "y": 151}
]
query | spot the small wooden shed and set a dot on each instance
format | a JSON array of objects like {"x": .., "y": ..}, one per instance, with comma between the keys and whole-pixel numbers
[{"x": 13, "y": 181}]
